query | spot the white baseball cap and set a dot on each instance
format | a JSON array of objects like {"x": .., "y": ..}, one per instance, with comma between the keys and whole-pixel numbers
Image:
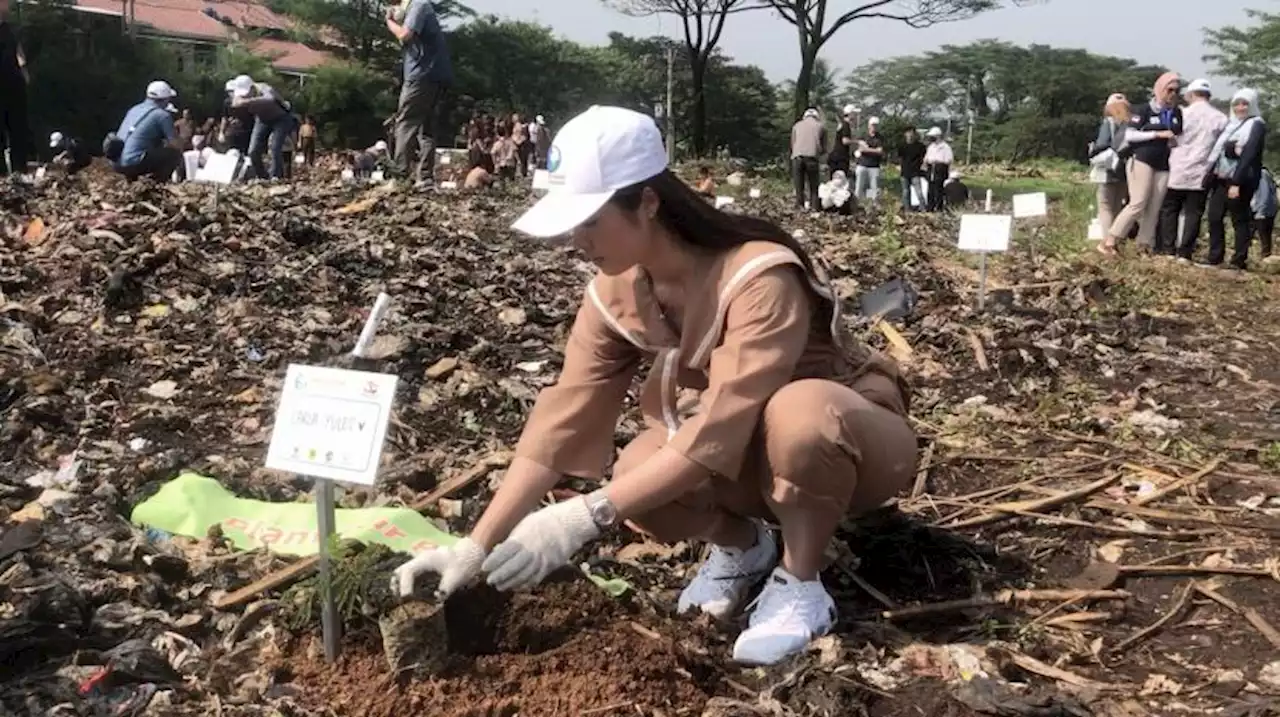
[
  {"x": 55, "y": 139},
  {"x": 242, "y": 85},
  {"x": 594, "y": 155},
  {"x": 1199, "y": 85},
  {"x": 934, "y": 132},
  {"x": 811, "y": 112},
  {"x": 874, "y": 120},
  {"x": 160, "y": 90},
  {"x": 380, "y": 145},
  {"x": 850, "y": 109}
]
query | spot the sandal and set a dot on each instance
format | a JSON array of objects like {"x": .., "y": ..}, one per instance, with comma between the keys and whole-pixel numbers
[{"x": 1107, "y": 247}]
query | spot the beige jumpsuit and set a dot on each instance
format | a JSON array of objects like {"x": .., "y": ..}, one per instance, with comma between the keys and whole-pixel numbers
[{"x": 793, "y": 416}]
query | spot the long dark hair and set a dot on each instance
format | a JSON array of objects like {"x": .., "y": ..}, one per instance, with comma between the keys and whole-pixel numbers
[{"x": 686, "y": 214}]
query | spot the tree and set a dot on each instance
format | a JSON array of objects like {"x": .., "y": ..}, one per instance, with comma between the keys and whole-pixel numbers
[
  {"x": 703, "y": 22},
  {"x": 355, "y": 28},
  {"x": 810, "y": 18},
  {"x": 824, "y": 89},
  {"x": 1249, "y": 55}
]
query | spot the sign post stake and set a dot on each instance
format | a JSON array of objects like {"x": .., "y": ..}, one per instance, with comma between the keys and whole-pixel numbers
[
  {"x": 329, "y": 623},
  {"x": 982, "y": 280},
  {"x": 984, "y": 233}
]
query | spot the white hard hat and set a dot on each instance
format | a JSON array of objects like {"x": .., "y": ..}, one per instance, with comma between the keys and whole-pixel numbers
[
  {"x": 935, "y": 132},
  {"x": 540, "y": 120},
  {"x": 874, "y": 120},
  {"x": 242, "y": 85},
  {"x": 811, "y": 112},
  {"x": 55, "y": 139},
  {"x": 229, "y": 86},
  {"x": 160, "y": 90}
]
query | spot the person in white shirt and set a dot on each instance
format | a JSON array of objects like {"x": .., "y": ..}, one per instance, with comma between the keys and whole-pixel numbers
[
  {"x": 1189, "y": 172},
  {"x": 937, "y": 166}
]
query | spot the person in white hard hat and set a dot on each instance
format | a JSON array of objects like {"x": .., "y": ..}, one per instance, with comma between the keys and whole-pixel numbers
[
  {"x": 866, "y": 180},
  {"x": 1189, "y": 172},
  {"x": 69, "y": 152},
  {"x": 147, "y": 139},
  {"x": 273, "y": 120},
  {"x": 808, "y": 143},
  {"x": 839, "y": 160},
  {"x": 798, "y": 424},
  {"x": 937, "y": 166}
]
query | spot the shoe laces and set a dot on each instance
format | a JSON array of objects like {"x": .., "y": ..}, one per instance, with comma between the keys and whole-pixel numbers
[{"x": 792, "y": 605}]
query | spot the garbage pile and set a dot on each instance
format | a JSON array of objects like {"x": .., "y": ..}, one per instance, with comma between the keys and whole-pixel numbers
[{"x": 145, "y": 331}]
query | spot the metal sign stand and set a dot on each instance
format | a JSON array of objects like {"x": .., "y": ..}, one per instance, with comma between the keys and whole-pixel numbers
[{"x": 330, "y": 625}]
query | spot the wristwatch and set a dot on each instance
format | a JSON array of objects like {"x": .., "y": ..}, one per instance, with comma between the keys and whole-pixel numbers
[{"x": 603, "y": 512}]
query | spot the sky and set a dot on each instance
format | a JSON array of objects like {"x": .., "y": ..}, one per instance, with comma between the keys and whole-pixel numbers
[{"x": 1168, "y": 33}]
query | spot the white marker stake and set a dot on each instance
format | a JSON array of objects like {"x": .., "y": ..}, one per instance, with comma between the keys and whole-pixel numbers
[
  {"x": 988, "y": 209},
  {"x": 358, "y": 403},
  {"x": 984, "y": 233}
]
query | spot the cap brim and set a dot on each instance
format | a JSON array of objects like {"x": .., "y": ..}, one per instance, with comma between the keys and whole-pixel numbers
[{"x": 559, "y": 213}]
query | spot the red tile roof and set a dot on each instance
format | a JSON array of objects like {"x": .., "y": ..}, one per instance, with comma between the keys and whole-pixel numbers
[{"x": 190, "y": 19}]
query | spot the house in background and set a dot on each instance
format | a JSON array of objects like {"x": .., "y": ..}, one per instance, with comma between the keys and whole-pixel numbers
[{"x": 197, "y": 28}]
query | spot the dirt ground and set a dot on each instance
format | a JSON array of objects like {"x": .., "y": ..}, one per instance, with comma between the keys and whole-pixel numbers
[{"x": 1093, "y": 529}]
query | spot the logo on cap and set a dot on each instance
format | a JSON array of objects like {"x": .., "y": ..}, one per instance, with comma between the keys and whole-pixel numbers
[{"x": 553, "y": 159}]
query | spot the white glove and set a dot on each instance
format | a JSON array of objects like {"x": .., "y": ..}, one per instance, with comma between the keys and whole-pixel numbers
[
  {"x": 457, "y": 565},
  {"x": 542, "y": 542}
]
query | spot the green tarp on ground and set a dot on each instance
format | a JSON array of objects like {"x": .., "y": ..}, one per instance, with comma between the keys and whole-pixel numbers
[{"x": 191, "y": 503}]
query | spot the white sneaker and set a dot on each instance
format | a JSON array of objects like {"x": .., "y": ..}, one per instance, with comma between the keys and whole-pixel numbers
[
  {"x": 788, "y": 614},
  {"x": 727, "y": 574}
]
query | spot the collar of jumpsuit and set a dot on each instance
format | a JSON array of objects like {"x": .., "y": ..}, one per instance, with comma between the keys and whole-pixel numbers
[{"x": 570, "y": 430}]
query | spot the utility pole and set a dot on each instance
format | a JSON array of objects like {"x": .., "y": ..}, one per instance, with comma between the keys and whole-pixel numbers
[
  {"x": 968, "y": 152},
  {"x": 671, "y": 117}
]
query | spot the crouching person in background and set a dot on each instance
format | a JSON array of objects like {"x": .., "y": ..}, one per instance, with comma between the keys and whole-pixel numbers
[
  {"x": 1264, "y": 214},
  {"x": 146, "y": 144},
  {"x": 71, "y": 155}
]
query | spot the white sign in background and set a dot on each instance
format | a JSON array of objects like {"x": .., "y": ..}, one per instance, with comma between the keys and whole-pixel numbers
[
  {"x": 985, "y": 232},
  {"x": 1030, "y": 205},
  {"x": 331, "y": 423}
]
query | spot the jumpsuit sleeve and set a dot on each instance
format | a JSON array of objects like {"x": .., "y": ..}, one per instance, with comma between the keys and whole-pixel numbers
[
  {"x": 570, "y": 429},
  {"x": 766, "y": 328}
]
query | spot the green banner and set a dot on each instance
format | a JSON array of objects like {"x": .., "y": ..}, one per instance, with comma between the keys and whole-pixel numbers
[{"x": 190, "y": 504}]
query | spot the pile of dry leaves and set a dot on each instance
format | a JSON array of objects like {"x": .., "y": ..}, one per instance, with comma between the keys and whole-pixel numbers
[{"x": 1093, "y": 529}]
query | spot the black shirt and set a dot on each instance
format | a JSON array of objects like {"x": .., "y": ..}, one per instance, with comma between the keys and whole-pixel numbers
[
  {"x": 870, "y": 159},
  {"x": 912, "y": 159},
  {"x": 1155, "y": 152},
  {"x": 956, "y": 193},
  {"x": 840, "y": 152},
  {"x": 77, "y": 153}
]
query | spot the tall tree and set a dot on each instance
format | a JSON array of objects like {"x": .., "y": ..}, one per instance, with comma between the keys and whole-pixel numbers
[
  {"x": 816, "y": 23},
  {"x": 1250, "y": 55},
  {"x": 703, "y": 22}
]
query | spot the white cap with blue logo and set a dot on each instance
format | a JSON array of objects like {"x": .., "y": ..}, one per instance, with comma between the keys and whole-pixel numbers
[{"x": 594, "y": 155}]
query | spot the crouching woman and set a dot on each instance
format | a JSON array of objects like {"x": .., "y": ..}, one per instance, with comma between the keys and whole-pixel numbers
[{"x": 797, "y": 425}]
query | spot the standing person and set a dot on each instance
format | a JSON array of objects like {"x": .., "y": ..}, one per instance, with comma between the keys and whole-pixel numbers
[
  {"x": 286, "y": 153},
  {"x": 186, "y": 128},
  {"x": 800, "y": 424},
  {"x": 307, "y": 140},
  {"x": 937, "y": 166},
  {"x": 1264, "y": 213},
  {"x": 273, "y": 119},
  {"x": 1106, "y": 166},
  {"x": 13, "y": 96},
  {"x": 1189, "y": 175},
  {"x": 808, "y": 143},
  {"x": 505, "y": 155},
  {"x": 147, "y": 141},
  {"x": 540, "y": 136},
  {"x": 1237, "y": 167},
  {"x": 870, "y": 154},
  {"x": 1148, "y": 137},
  {"x": 524, "y": 148},
  {"x": 911, "y": 167},
  {"x": 428, "y": 73},
  {"x": 841, "y": 151}
]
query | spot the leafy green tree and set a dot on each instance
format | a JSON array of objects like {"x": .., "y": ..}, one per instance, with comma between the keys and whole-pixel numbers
[
  {"x": 350, "y": 103},
  {"x": 1249, "y": 55}
]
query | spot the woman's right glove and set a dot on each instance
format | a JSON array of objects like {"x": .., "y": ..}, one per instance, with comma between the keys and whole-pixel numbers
[{"x": 457, "y": 565}]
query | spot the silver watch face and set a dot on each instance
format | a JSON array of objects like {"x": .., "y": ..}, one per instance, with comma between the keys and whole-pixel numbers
[{"x": 603, "y": 512}]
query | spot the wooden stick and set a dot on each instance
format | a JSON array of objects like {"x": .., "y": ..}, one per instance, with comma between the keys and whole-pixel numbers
[
  {"x": 1171, "y": 517},
  {"x": 1259, "y": 623},
  {"x": 1180, "y": 483},
  {"x": 922, "y": 475},
  {"x": 1075, "y": 617},
  {"x": 978, "y": 352},
  {"x": 1031, "y": 664},
  {"x": 1096, "y": 527},
  {"x": 847, "y": 568},
  {"x": 1004, "y": 510},
  {"x": 1179, "y": 605},
  {"x": 302, "y": 568},
  {"x": 1184, "y": 570},
  {"x": 1004, "y": 597}
]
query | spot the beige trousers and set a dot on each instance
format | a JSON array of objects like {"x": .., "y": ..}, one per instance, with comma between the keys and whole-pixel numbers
[
  {"x": 822, "y": 450},
  {"x": 1111, "y": 199},
  {"x": 1147, "y": 188}
]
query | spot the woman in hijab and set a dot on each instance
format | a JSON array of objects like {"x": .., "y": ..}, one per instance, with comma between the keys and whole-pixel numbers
[
  {"x": 1237, "y": 168},
  {"x": 1147, "y": 140},
  {"x": 1106, "y": 169}
]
